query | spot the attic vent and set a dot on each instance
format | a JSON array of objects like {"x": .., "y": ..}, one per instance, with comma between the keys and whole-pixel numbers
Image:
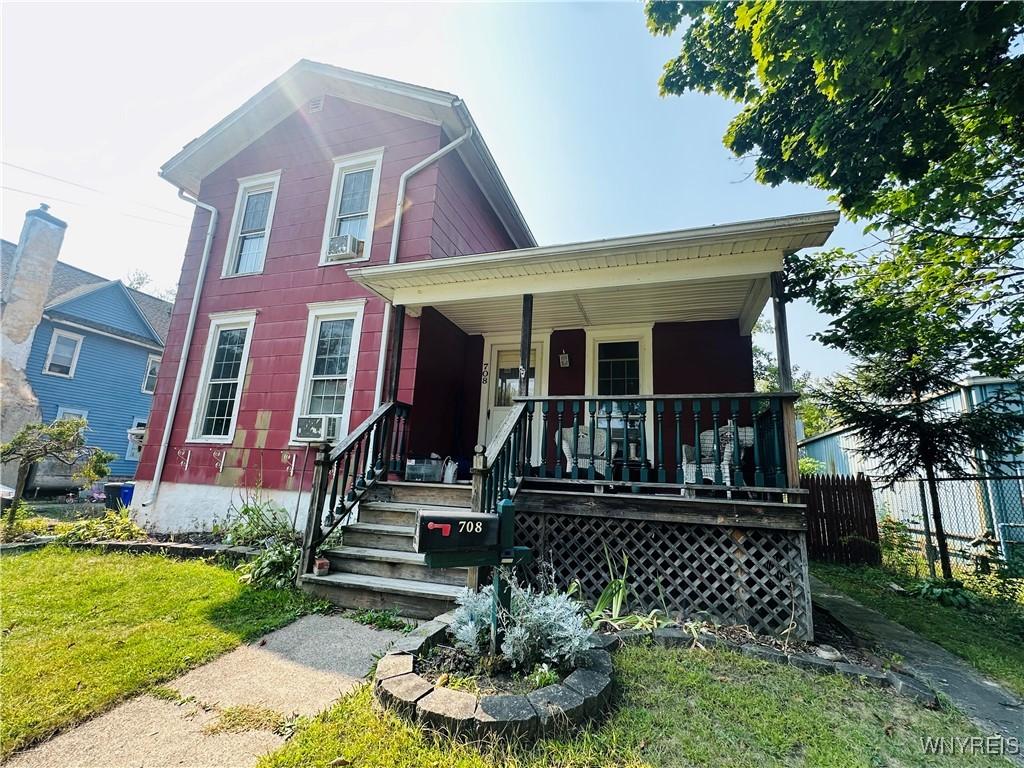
[{"x": 316, "y": 105}]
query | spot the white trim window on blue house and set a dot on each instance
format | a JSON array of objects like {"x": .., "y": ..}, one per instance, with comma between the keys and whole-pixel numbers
[
  {"x": 152, "y": 371},
  {"x": 62, "y": 355}
]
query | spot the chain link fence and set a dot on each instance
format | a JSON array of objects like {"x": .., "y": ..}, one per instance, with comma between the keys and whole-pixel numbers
[{"x": 982, "y": 515}]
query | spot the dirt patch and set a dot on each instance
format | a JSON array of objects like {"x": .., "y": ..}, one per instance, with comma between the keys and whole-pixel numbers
[{"x": 448, "y": 667}]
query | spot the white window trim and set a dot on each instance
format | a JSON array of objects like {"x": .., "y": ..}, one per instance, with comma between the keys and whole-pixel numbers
[
  {"x": 64, "y": 410},
  {"x": 145, "y": 373},
  {"x": 246, "y": 185},
  {"x": 639, "y": 332},
  {"x": 335, "y": 310},
  {"x": 221, "y": 322},
  {"x": 77, "y": 338},
  {"x": 131, "y": 446},
  {"x": 360, "y": 161}
]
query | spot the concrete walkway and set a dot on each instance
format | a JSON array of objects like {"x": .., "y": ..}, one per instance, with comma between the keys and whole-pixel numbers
[
  {"x": 994, "y": 710},
  {"x": 298, "y": 670}
]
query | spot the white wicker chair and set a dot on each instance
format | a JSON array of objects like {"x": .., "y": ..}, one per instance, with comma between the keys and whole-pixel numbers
[{"x": 583, "y": 454}]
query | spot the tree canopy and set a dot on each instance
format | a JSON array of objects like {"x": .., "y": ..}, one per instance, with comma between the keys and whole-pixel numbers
[{"x": 912, "y": 114}]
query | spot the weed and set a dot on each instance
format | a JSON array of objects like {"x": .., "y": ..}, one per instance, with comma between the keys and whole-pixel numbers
[
  {"x": 380, "y": 619},
  {"x": 246, "y": 717}
]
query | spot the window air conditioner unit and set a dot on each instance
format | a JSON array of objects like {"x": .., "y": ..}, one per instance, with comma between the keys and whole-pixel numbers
[
  {"x": 341, "y": 247},
  {"x": 318, "y": 429}
]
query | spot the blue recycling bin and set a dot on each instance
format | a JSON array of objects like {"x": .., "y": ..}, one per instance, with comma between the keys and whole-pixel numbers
[{"x": 127, "y": 490}]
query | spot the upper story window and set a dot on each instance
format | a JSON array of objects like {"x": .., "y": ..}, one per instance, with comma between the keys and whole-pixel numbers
[
  {"x": 348, "y": 231},
  {"x": 62, "y": 356},
  {"x": 152, "y": 371},
  {"x": 220, "y": 381},
  {"x": 250, "y": 225}
]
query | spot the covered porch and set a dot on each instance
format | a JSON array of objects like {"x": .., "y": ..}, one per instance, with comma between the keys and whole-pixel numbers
[{"x": 607, "y": 389}]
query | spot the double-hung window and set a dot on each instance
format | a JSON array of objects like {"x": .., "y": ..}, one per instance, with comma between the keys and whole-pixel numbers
[
  {"x": 250, "y": 225},
  {"x": 352, "y": 205},
  {"x": 134, "y": 451},
  {"x": 152, "y": 371},
  {"x": 62, "y": 356},
  {"x": 220, "y": 389},
  {"x": 328, "y": 367}
]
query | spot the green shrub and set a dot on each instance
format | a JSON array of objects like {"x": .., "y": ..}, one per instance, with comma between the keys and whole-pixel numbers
[
  {"x": 115, "y": 525},
  {"x": 897, "y": 545},
  {"x": 950, "y": 592},
  {"x": 257, "y": 521},
  {"x": 275, "y": 567}
]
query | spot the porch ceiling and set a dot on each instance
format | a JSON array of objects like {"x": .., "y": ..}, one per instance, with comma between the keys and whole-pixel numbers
[{"x": 710, "y": 273}]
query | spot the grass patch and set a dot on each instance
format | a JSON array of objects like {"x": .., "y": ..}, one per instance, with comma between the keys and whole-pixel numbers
[
  {"x": 246, "y": 718},
  {"x": 82, "y": 630},
  {"x": 676, "y": 708},
  {"x": 381, "y": 619},
  {"x": 989, "y": 635}
]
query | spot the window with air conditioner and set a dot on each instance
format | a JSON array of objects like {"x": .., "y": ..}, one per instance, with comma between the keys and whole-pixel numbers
[
  {"x": 250, "y": 225},
  {"x": 215, "y": 410},
  {"x": 348, "y": 231},
  {"x": 324, "y": 399}
]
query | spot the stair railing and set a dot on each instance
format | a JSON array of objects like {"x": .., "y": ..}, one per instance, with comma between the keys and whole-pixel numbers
[
  {"x": 348, "y": 470},
  {"x": 499, "y": 467}
]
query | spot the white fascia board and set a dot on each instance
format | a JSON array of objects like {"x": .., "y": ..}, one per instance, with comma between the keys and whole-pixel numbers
[{"x": 753, "y": 265}]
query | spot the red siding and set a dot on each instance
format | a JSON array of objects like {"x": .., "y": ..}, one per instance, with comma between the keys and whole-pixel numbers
[
  {"x": 464, "y": 221},
  {"x": 303, "y": 147},
  {"x": 571, "y": 380},
  {"x": 708, "y": 356}
]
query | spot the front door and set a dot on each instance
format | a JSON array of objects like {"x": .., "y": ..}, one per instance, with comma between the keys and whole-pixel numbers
[{"x": 502, "y": 384}]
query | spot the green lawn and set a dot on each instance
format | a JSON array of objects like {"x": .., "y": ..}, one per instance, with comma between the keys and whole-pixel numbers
[
  {"x": 675, "y": 709},
  {"x": 990, "y": 637},
  {"x": 82, "y": 630}
]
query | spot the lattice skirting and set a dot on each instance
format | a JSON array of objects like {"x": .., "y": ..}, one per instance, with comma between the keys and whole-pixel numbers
[{"x": 751, "y": 576}]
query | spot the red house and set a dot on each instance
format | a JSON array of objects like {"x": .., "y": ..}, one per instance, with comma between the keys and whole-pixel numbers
[{"x": 359, "y": 276}]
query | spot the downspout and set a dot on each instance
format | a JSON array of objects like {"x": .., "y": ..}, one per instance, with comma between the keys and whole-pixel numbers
[
  {"x": 172, "y": 409},
  {"x": 393, "y": 254}
]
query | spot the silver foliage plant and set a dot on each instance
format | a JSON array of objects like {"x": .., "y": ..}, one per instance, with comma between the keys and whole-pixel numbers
[{"x": 542, "y": 627}]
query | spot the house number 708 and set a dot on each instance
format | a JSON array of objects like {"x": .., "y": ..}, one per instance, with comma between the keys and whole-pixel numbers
[{"x": 471, "y": 526}]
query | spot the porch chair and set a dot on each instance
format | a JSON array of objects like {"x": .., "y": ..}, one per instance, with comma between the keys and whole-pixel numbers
[
  {"x": 707, "y": 447},
  {"x": 583, "y": 455}
]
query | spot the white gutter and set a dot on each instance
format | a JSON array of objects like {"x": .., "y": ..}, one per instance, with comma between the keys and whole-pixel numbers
[
  {"x": 393, "y": 254},
  {"x": 172, "y": 409}
]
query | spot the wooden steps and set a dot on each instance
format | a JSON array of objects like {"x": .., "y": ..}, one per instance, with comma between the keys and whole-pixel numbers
[{"x": 376, "y": 567}]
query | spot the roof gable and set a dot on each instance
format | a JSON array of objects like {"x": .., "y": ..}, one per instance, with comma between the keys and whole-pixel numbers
[
  {"x": 108, "y": 307},
  {"x": 307, "y": 80}
]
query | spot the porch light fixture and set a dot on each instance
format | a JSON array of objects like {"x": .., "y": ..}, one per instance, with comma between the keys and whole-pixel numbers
[{"x": 563, "y": 359}]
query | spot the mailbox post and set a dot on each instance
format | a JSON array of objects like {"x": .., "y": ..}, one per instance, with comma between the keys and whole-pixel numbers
[{"x": 465, "y": 539}]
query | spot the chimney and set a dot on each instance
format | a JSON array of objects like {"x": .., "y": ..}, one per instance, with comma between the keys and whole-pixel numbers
[{"x": 25, "y": 287}]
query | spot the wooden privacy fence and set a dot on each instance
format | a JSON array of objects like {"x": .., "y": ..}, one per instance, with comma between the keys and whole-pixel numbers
[{"x": 841, "y": 522}]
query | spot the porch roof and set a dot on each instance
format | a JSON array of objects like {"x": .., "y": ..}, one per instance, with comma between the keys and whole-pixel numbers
[{"x": 706, "y": 273}]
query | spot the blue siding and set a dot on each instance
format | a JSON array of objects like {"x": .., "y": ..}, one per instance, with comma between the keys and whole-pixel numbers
[
  {"x": 110, "y": 306},
  {"x": 107, "y": 383}
]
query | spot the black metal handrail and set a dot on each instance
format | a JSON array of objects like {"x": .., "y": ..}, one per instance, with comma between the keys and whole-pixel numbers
[
  {"x": 499, "y": 467},
  {"x": 367, "y": 454}
]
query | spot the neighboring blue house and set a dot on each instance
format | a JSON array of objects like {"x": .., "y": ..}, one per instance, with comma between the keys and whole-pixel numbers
[
  {"x": 992, "y": 501},
  {"x": 95, "y": 354}
]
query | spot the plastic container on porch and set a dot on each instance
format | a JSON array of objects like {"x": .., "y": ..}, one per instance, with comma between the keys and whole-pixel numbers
[
  {"x": 113, "y": 492},
  {"x": 423, "y": 470},
  {"x": 127, "y": 491}
]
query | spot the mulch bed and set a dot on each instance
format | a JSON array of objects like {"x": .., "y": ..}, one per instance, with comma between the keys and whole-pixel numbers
[{"x": 447, "y": 660}]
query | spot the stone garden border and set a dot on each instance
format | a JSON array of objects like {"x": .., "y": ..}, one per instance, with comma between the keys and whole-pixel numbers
[
  {"x": 581, "y": 696},
  {"x": 674, "y": 637},
  {"x": 180, "y": 550}
]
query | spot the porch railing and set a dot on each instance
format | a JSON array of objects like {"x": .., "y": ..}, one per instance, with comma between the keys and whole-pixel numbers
[
  {"x": 372, "y": 450},
  {"x": 499, "y": 467},
  {"x": 729, "y": 439}
]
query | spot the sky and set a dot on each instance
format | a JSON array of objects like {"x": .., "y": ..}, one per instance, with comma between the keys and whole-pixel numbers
[{"x": 96, "y": 97}]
